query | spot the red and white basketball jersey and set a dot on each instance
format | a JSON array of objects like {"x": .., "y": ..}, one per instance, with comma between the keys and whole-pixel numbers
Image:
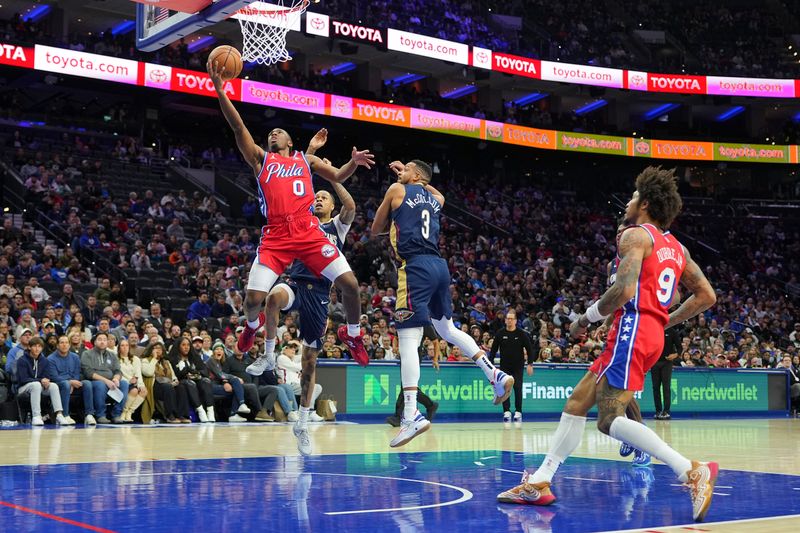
[
  {"x": 285, "y": 186},
  {"x": 659, "y": 277}
]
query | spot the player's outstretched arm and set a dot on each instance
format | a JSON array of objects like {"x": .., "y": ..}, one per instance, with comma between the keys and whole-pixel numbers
[
  {"x": 348, "y": 212},
  {"x": 358, "y": 158},
  {"x": 251, "y": 152},
  {"x": 633, "y": 246},
  {"x": 702, "y": 297},
  {"x": 396, "y": 193}
]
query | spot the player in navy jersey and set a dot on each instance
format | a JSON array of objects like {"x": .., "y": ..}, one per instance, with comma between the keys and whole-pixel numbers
[
  {"x": 423, "y": 293},
  {"x": 308, "y": 294},
  {"x": 286, "y": 196}
]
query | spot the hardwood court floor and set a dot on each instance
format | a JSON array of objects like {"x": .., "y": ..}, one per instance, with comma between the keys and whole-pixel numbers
[{"x": 485, "y": 457}]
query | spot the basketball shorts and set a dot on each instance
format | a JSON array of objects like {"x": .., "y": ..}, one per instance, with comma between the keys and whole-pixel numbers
[
  {"x": 310, "y": 300},
  {"x": 630, "y": 352},
  {"x": 298, "y": 238},
  {"x": 423, "y": 292}
]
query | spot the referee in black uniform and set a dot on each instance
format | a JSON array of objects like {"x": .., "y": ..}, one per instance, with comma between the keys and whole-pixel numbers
[
  {"x": 661, "y": 373},
  {"x": 511, "y": 342}
]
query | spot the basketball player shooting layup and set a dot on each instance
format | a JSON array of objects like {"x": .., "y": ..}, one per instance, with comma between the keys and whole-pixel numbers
[
  {"x": 423, "y": 291},
  {"x": 308, "y": 294},
  {"x": 650, "y": 265},
  {"x": 286, "y": 189}
]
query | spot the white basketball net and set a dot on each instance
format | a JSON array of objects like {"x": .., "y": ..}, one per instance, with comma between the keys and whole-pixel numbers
[{"x": 264, "y": 28}]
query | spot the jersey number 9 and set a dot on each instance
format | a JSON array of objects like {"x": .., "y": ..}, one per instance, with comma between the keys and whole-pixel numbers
[{"x": 666, "y": 286}]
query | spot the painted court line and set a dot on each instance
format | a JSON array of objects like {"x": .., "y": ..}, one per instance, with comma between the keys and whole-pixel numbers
[
  {"x": 465, "y": 494},
  {"x": 591, "y": 479},
  {"x": 510, "y": 471},
  {"x": 694, "y": 525},
  {"x": 56, "y": 518}
]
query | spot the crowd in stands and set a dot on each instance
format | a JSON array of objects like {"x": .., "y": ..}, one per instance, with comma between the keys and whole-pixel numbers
[{"x": 540, "y": 252}]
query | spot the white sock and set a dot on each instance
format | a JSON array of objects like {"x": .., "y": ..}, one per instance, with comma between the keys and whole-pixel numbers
[
  {"x": 269, "y": 346},
  {"x": 410, "y": 406},
  {"x": 354, "y": 330},
  {"x": 567, "y": 437},
  {"x": 252, "y": 324},
  {"x": 488, "y": 368},
  {"x": 642, "y": 437},
  {"x": 304, "y": 412}
]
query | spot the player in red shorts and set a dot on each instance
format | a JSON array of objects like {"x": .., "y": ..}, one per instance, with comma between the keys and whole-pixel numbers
[
  {"x": 651, "y": 263},
  {"x": 286, "y": 197}
]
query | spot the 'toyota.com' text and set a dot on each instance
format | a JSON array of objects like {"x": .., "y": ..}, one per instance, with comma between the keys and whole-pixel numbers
[
  {"x": 421, "y": 44},
  {"x": 65, "y": 62}
]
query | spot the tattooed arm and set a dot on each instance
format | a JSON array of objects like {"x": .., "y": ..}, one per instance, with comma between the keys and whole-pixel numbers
[
  {"x": 634, "y": 246},
  {"x": 702, "y": 297}
]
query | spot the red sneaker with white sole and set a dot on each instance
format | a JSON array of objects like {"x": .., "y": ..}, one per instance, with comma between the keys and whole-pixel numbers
[
  {"x": 248, "y": 336},
  {"x": 355, "y": 345}
]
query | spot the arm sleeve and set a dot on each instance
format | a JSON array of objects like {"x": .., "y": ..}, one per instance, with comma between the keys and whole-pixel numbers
[{"x": 341, "y": 228}]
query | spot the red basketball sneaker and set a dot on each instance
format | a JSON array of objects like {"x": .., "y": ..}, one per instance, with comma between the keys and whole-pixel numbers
[
  {"x": 355, "y": 345},
  {"x": 248, "y": 336}
]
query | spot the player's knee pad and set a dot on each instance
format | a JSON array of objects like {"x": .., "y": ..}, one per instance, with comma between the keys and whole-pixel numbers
[
  {"x": 290, "y": 296},
  {"x": 448, "y": 331},
  {"x": 261, "y": 278}
]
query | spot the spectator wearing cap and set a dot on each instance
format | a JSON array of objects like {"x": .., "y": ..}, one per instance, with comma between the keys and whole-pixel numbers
[
  {"x": 23, "y": 340},
  {"x": 48, "y": 328},
  {"x": 197, "y": 346},
  {"x": 32, "y": 372},
  {"x": 102, "y": 368},
  {"x": 60, "y": 318},
  {"x": 64, "y": 369}
]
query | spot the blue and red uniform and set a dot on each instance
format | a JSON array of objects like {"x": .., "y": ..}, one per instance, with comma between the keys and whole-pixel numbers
[
  {"x": 636, "y": 338},
  {"x": 286, "y": 198}
]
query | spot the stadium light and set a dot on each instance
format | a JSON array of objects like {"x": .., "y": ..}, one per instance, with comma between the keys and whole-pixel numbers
[
  {"x": 37, "y": 13},
  {"x": 202, "y": 42},
  {"x": 730, "y": 113},
  {"x": 528, "y": 99},
  {"x": 405, "y": 79},
  {"x": 339, "y": 69},
  {"x": 123, "y": 27},
  {"x": 588, "y": 108},
  {"x": 460, "y": 92},
  {"x": 660, "y": 110}
]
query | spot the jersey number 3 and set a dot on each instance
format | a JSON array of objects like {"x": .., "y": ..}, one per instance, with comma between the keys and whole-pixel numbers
[
  {"x": 666, "y": 286},
  {"x": 426, "y": 223}
]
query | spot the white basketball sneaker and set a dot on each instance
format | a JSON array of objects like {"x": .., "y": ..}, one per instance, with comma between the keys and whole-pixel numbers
[
  {"x": 264, "y": 363},
  {"x": 410, "y": 429},
  {"x": 503, "y": 384},
  {"x": 303, "y": 439}
]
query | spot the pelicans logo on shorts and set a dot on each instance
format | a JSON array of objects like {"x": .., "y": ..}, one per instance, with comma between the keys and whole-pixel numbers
[
  {"x": 403, "y": 315},
  {"x": 328, "y": 250}
]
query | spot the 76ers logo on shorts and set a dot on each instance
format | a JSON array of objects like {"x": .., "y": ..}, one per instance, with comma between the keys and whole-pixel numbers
[{"x": 328, "y": 250}]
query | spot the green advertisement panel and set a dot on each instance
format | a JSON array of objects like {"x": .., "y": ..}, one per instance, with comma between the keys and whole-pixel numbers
[
  {"x": 587, "y": 142},
  {"x": 465, "y": 390},
  {"x": 753, "y": 153}
]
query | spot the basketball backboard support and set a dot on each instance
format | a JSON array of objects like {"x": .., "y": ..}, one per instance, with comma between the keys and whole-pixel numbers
[{"x": 157, "y": 26}]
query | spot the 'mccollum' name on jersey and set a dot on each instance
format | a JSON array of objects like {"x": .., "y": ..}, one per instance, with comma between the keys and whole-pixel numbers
[{"x": 418, "y": 199}]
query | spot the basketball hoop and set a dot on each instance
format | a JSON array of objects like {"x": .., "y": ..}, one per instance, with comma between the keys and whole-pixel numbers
[{"x": 264, "y": 28}]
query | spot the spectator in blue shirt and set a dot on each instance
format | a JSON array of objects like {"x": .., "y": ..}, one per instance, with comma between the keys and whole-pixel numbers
[
  {"x": 89, "y": 239},
  {"x": 478, "y": 314},
  {"x": 64, "y": 369},
  {"x": 199, "y": 310},
  {"x": 16, "y": 352}
]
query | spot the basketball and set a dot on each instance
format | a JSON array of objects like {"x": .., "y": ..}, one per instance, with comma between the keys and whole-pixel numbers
[{"x": 228, "y": 57}]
